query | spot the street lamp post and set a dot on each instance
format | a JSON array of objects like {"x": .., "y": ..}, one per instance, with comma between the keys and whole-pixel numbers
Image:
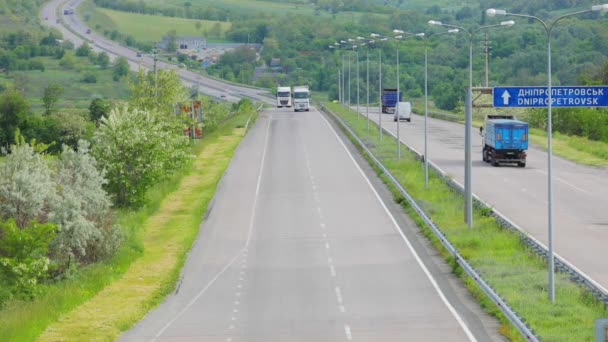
[
  {"x": 381, "y": 39},
  {"x": 366, "y": 43},
  {"x": 426, "y": 104},
  {"x": 339, "y": 76},
  {"x": 548, "y": 29},
  {"x": 402, "y": 35},
  {"x": 469, "y": 117}
]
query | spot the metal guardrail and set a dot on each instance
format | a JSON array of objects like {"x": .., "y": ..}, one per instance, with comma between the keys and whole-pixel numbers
[
  {"x": 526, "y": 331},
  {"x": 576, "y": 275}
]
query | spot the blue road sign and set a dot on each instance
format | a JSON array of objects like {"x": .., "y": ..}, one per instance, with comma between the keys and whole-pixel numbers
[{"x": 536, "y": 97}]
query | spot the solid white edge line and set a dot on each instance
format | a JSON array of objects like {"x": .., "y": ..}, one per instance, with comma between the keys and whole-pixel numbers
[
  {"x": 459, "y": 319},
  {"x": 240, "y": 252}
]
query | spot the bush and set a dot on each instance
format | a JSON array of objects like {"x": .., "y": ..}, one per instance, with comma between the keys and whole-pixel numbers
[
  {"x": 89, "y": 78},
  {"x": 26, "y": 186},
  {"x": 23, "y": 257},
  {"x": 81, "y": 210}
]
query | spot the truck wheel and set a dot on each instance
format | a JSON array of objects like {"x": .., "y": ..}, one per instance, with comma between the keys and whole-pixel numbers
[
  {"x": 521, "y": 164},
  {"x": 483, "y": 156},
  {"x": 493, "y": 161}
]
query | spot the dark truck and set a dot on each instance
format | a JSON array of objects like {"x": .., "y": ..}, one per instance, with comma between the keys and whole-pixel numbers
[
  {"x": 389, "y": 100},
  {"x": 505, "y": 140}
]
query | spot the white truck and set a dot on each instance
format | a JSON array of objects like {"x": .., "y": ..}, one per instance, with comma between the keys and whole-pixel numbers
[
  {"x": 301, "y": 98},
  {"x": 283, "y": 97}
]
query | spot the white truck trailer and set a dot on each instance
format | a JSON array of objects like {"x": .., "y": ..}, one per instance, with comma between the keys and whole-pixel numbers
[
  {"x": 283, "y": 97},
  {"x": 301, "y": 98}
]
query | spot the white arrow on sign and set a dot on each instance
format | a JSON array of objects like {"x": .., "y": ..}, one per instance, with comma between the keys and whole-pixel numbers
[{"x": 505, "y": 97}]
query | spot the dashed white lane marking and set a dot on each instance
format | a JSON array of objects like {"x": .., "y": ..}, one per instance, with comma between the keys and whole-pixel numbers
[
  {"x": 323, "y": 225},
  {"x": 233, "y": 318},
  {"x": 330, "y": 260},
  {"x": 229, "y": 339},
  {"x": 235, "y": 310},
  {"x": 342, "y": 309},
  {"x": 332, "y": 270},
  {"x": 347, "y": 331},
  {"x": 231, "y": 327},
  {"x": 238, "y": 294},
  {"x": 338, "y": 295},
  {"x": 327, "y": 245},
  {"x": 244, "y": 249},
  {"x": 319, "y": 211},
  {"x": 325, "y": 235},
  {"x": 432, "y": 280},
  {"x": 565, "y": 182},
  {"x": 236, "y": 302}
]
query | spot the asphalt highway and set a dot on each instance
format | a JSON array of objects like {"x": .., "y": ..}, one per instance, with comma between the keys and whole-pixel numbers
[
  {"x": 580, "y": 224},
  {"x": 53, "y": 10},
  {"x": 300, "y": 246}
]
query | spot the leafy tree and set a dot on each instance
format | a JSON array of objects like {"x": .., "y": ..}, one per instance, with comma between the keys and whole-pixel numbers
[
  {"x": 89, "y": 78},
  {"x": 138, "y": 148},
  {"x": 81, "y": 209},
  {"x": 157, "y": 93},
  {"x": 83, "y": 50},
  {"x": 51, "y": 95},
  {"x": 72, "y": 127},
  {"x": 13, "y": 112},
  {"x": 121, "y": 68},
  {"x": 23, "y": 255},
  {"x": 103, "y": 60},
  {"x": 68, "y": 61},
  {"x": 26, "y": 186},
  {"x": 99, "y": 108},
  {"x": 172, "y": 43}
]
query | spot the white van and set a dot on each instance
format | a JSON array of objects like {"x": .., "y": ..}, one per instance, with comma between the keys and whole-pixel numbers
[{"x": 403, "y": 112}]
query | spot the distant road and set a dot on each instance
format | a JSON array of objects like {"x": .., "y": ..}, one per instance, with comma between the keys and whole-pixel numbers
[
  {"x": 580, "y": 193},
  {"x": 209, "y": 86},
  {"x": 299, "y": 246}
]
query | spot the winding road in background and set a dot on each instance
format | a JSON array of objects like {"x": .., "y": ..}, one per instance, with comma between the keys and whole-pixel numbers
[{"x": 69, "y": 25}]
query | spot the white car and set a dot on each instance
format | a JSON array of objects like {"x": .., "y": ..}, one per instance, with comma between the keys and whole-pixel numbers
[{"x": 403, "y": 112}]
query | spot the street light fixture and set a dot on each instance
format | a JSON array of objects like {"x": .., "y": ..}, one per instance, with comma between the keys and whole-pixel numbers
[
  {"x": 469, "y": 115},
  {"x": 426, "y": 103},
  {"x": 548, "y": 29}
]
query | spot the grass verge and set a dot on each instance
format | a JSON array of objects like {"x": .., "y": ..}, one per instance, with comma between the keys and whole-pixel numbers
[
  {"x": 514, "y": 271},
  {"x": 141, "y": 270}
]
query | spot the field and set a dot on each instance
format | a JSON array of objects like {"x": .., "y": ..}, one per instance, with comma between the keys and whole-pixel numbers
[
  {"x": 151, "y": 28},
  {"x": 77, "y": 94}
]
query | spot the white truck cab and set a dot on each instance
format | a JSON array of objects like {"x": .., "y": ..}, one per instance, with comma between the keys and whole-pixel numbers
[
  {"x": 301, "y": 98},
  {"x": 283, "y": 97}
]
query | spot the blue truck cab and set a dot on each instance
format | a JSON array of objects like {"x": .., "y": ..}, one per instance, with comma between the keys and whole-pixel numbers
[
  {"x": 505, "y": 140},
  {"x": 390, "y": 99}
]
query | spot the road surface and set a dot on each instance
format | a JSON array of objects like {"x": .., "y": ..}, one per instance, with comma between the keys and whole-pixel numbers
[
  {"x": 299, "y": 246},
  {"x": 580, "y": 223},
  {"x": 209, "y": 86}
]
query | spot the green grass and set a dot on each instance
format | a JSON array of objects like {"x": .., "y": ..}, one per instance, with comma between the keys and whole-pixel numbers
[
  {"x": 77, "y": 94},
  {"x": 515, "y": 272},
  {"x": 149, "y": 28},
  {"x": 576, "y": 149},
  {"x": 148, "y": 230}
]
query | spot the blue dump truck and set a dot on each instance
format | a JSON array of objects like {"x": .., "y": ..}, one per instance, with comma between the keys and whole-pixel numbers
[
  {"x": 505, "y": 140},
  {"x": 389, "y": 100}
]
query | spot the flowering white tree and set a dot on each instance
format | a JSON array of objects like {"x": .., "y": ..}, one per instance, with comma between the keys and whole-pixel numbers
[{"x": 138, "y": 148}]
